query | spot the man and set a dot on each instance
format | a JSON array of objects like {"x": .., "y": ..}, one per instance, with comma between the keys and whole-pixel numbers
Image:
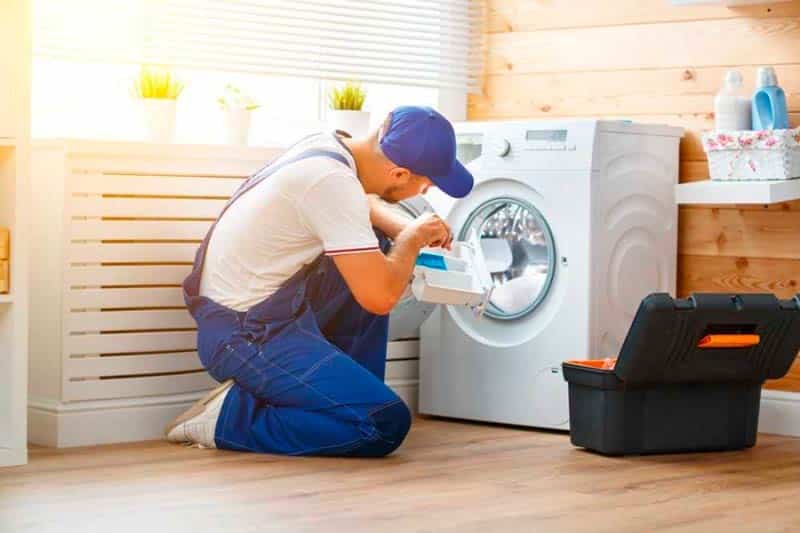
[{"x": 292, "y": 286}]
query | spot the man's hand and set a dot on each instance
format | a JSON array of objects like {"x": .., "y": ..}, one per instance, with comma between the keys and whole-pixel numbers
[{"x": 430, "y": 230}]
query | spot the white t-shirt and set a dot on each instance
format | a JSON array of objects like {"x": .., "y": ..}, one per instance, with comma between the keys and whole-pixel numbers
[{"x": 313, "y": 206}]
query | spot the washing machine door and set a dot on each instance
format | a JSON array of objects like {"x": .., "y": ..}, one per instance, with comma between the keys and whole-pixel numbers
[
  {"x": 520, "y": 254},
  {"x": 409, "y": 314},
  {"x": 510, "y": 218}
]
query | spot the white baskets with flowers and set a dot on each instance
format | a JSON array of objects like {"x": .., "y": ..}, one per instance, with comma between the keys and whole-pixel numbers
[{"x": 761, "y": 155}]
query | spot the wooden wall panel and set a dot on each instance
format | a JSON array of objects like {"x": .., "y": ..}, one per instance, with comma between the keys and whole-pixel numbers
[
  {"x": 532, "y": 15},
  {"x": 650, "y": 61},
  {"x": 703, "y": 273},
  {"x": 734, "y": 232},
  {"x": 627, "y": 92},
  {"x": 652, "y": 46}
]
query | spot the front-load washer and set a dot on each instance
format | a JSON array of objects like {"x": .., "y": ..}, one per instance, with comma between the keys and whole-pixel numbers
[{"x": 578, "y": 222}]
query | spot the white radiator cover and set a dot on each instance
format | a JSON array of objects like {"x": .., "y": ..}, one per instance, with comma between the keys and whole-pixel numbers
[{"x": 115, "y": 229}]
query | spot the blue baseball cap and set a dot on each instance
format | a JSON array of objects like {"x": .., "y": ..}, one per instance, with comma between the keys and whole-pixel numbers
[{"x": 423, "y": 141}]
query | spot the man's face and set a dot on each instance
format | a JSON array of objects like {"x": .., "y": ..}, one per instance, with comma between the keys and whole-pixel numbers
[{"x": 405, "y": 185}]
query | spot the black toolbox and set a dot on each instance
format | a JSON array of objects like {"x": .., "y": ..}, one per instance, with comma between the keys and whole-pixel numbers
[{"x": 688, "y": 376}]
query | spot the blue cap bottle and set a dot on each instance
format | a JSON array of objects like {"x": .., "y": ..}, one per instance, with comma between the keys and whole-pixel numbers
[{"x": 769, "y": 102}]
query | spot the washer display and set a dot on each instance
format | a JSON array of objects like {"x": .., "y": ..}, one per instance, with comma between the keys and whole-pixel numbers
[{"x": 520, "y": 253}]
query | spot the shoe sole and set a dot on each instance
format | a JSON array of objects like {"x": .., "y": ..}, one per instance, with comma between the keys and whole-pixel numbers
[{"x": 198, "y": 406}]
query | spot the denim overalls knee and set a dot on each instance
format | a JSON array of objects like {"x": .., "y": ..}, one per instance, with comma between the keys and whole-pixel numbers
[{"x": 308, "y": 362}]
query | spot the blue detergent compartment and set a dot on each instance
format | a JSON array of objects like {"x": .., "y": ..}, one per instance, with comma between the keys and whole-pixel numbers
[{"x": 429, "y": 260}]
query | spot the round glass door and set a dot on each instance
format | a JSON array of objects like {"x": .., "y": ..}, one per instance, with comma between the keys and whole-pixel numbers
[{"x": 520, "y": 254}]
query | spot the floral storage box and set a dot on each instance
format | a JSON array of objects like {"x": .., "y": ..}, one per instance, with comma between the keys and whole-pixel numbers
[{"x": 753, "y": 155}]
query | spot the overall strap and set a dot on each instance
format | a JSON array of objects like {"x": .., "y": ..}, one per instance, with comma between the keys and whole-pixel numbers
[
  {"x": 192, "y": 283},
  {"x": 275, "y": 166}
]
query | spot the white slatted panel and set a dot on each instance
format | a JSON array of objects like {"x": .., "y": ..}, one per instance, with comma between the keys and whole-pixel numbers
[
  {"x": 399, "y": 350},
  {"x": 134, "y": 226},
  {"x": 402, "y": 370},
  {"x": 164, "y": 208},
  {"x": 126, "y": 365},
  {"x": 151, "y": 319},
  {"x": 132, "y": 253},
  {"x": 146, "y": 230},
  {"x": 101, "y": 389},
  {"x": 433, "y": 43},
  {"x": 144, "y": 342},
  {"x": 125, "y": 298},
  {"x": 127, "y": 275},
  {"x": 175, "y": 160},
  {"x": 149, "y": 185}
]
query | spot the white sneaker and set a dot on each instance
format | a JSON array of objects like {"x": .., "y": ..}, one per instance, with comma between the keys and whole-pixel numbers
[{"x": 198, "y": 423}]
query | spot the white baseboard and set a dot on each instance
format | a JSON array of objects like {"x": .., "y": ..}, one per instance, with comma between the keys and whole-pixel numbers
[
  {"x": 63, "y": 425},
  {"x": 13, "y": 457},
  {"x": 780, "y": 413}
]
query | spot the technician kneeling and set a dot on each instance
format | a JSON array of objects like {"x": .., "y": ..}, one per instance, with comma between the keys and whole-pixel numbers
[{"x": 292, "y": 286}]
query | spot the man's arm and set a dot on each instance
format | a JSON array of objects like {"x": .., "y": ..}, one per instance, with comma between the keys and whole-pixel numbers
[
  {"x": 378, "y": 281},
  {"x": 386, "y": 218}
]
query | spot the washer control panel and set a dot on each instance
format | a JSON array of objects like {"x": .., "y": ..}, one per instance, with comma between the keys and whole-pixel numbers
[
  {"x": 555, "y": 145},
  {"x": 545, "y": 145}
]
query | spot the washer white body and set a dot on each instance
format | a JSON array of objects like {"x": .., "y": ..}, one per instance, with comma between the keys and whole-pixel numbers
[{"x": 605, "y": 190}]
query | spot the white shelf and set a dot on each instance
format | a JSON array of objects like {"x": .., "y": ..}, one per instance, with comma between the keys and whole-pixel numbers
[
  {"x": 7, "y": 142},
  {"x": 6, "y": 298},
  {"x": 737, "y": 192}
]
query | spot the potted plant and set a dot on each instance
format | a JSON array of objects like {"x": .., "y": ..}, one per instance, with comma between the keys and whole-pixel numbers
[
  {"x": 345, "y": 111},
  {"x": 158, "y": 90},
  {"x": 237, "y": 107}
]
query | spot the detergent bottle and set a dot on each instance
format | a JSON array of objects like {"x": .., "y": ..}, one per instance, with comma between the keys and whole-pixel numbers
[
  {"x": 731, "y": 106},
  {"x": 769, "y": 102}
]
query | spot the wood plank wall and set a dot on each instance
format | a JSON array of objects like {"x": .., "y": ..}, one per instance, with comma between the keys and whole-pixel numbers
[{"x": 650, "y": 61}]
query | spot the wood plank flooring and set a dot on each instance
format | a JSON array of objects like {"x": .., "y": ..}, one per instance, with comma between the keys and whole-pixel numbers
[{"x": 447, "y": 477}]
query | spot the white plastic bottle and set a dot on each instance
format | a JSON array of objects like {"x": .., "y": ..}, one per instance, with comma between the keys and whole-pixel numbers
[{"x": 732, "y": 109}]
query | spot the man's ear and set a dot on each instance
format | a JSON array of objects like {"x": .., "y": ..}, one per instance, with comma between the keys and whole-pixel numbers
[{"x": 400, "y": 175}]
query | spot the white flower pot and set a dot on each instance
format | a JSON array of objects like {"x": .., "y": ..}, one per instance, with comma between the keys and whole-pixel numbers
[
  {"x": 356, "y": 123},
  {"x": 237, "y": 126},
  {"x": 159, "y": 118}
]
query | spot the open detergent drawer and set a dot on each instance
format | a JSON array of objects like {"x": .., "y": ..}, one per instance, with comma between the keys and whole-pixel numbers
[
  {"x": 459, "y": 277},
  {"x": 688, "y": 377}
]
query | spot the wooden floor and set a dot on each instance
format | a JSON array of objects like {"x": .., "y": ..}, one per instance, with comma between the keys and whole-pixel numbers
[{"x": 447, "y": 477}]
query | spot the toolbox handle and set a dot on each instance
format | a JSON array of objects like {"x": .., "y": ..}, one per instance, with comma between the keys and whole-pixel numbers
[{"x": 729, "y": 341}]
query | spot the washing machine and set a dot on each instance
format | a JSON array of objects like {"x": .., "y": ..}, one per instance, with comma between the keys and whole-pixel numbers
[{"x": 577, "y": 221}]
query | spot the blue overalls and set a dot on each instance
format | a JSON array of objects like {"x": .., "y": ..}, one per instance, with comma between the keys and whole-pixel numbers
[{"x": 308, "y": 362}]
